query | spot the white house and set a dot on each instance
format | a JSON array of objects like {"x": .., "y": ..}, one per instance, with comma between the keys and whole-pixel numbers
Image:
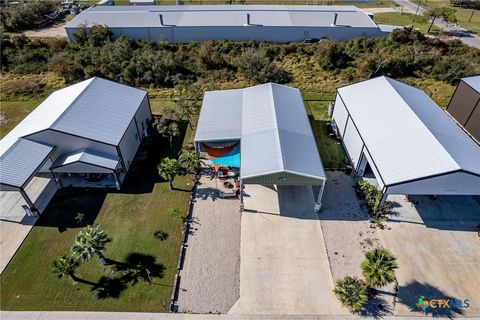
[
  {"x": 85, "y": 135},
  {"x": 406, "y": 140}
]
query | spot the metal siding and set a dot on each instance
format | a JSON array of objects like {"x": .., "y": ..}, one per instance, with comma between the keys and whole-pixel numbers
[
  {"x": 473, "y": 82},
  {"x": 220, "y": 116},
  {"x": 353, "y": 143},
  {"x": 406, "y": 133},
  {"x": 459, "y": 183},
  {"x": 129, "y": 145},
  {"x": 67, "y": 144},
  {"x": 374, "y": 168},
  {"x": 473, "y": 124},
  {"x": 102, "y": 111},
  {"x": 340, "y": 115},
  {"x": 286, "y": 179},
  {"x": 143, "y": 115},
  {"x": 463, "y": 102},
  {"x": 21, "y": 161},
  {"x": 79, "y": 167}
]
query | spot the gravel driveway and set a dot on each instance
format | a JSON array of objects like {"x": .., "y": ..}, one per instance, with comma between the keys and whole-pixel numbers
[{"x": 210, "y": 279}]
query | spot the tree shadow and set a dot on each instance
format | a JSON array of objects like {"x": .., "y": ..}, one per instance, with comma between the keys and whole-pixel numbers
[
  {"x": 409, "y": 295},
  {"x": 109, "y": 287},
  {"x": 375, "y": 308}
]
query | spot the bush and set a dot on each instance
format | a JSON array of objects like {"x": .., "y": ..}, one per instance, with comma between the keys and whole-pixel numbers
[
  {"x": 351, "y": 292},
  {"x": 369, "y": 194},
  {"x": 257, "y": 68},
  {"x": 378, "y": 268},
  {"x": 24, "y": 16}
]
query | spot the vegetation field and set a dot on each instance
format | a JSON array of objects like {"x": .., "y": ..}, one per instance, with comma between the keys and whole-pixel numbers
[
  {"x": 404, "y": 19},
  {"x": 463, "y": 15},
  {"x": 130, "y": 217}
]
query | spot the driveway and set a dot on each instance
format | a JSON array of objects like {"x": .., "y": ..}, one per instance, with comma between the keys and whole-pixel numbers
[
  {"x": 284, "y": 266},
  {"x": 438, "y": 251}
]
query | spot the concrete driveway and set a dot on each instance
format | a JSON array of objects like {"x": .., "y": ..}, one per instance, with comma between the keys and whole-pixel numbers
[
  {"x": 284, "y": 266},
  {"x": 438, "y": 252}
]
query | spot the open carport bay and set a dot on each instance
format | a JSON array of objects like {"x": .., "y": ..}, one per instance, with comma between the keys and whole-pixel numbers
[
  {"x": 438, "y": 251},
  {"x": 284, "y": 267}
]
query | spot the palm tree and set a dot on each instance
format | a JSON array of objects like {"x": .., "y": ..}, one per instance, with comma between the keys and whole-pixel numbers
[
  {"x": 168, "y": 169},
  {"x": 90, "y": 241},
  {"x": 65, "y": 266},
  {"x": 190, "y": 160},
  {"x": 351, "y": 292},
  {"x": 378, "y": 268}
]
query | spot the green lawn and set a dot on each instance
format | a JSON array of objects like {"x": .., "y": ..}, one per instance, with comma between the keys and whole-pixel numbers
[
  {"x": 331, "y": 150},
  {"x": 463, "y": 15},
  {"x": 12, "y": 112},
  {"x": 404, "y": 19},
  {"x": 130, "y": 218}
]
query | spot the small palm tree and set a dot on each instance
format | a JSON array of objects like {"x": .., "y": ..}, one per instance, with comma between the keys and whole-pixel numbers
[
  {"x": 378, "y": 268},
  {"x": 65, "y": 266},
  {"x": 90, "y": 241},
  {"x": 190, "y": 160},
  {"x": 168, "y": 169},
  {"x": 351, "y": 292}
]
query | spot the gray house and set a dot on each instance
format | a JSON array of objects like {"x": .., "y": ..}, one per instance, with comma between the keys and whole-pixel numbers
[
  {"x": 269, "y": 124},
  {"x": 85, "y": 135},
  {"x": 271, "y": 23}
]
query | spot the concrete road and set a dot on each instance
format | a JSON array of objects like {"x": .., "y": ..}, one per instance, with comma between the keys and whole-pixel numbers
[
  {"x": 284, "y": 266},
  {"x": 458, "y": 32},
  {"x": 438, "y": 252}
]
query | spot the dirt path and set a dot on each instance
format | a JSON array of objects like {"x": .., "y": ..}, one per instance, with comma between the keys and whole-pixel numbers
[{"x": 55, "y": 31}]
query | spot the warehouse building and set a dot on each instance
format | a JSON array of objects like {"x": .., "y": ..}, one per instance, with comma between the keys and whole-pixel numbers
[
  {"x": 268, "y": 135},
  {"x": 398, "y": 135},
  {"x": 85, "y": 135},
  {"x": 464, "y": 106},
  {"x": 271, "y": 23}
]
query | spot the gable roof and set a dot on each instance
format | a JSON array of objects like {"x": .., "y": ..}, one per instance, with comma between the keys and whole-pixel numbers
[
  {"x": 407, "y": 134},
  {"x": 473, "y": 82},
  {"x": 95, "y": 109},
  {"x": 222, "y": 15},
  {"x": 89, "y": 157},
  {"x": 275, "y": 132}
]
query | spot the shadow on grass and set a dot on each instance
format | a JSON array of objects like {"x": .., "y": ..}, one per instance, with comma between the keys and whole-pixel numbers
[
  {"x": 332, "y": 154},
  {"x": 136, "y": 267},
  {"x": 67, "y": 203}
]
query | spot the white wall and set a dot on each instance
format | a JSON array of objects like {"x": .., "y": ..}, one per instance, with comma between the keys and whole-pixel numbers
[
  {"x": 129, "y": 144},
  {"x": 459, "y": 183},
  {"x": 340, "y": 114},
  {"x": 353, "y": 143},
  {"x": 80, "y": 167},
  {"x": 143, "y": 116}
]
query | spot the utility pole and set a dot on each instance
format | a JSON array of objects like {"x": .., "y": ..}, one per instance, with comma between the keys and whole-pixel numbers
[
  {"x": 473, "y": 11},
  {"x": 416, "y": 12}
]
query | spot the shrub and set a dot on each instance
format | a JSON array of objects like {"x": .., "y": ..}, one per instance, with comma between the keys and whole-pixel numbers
[
  {"x": 351, "y": 292},
  {"x": 160, "y": 235},
  {"x": 370, "y": 194},
  {"x": 257, "y": 68},
  {"x": 24, "y": 16},
  {"x": 378, "y": 268}
]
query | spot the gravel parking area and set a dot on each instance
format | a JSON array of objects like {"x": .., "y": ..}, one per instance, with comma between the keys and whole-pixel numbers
[
  {"x": 347, "y": 233},
  {"x": 210, "y": 279}
]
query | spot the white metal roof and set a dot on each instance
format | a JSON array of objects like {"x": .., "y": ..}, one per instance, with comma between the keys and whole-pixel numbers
[
  {"x": 473, "y": 82},
  {"x": 407, "y": 134},
  {"x": 275, "y": 131},
  {"x": 89, "y": 157},
  {"x": 222, "y": 15},
  {"x": 20, "y": 160}
]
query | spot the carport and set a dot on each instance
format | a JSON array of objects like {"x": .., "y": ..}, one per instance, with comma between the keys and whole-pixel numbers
[
  {"x": 25, "y": 175},
  {"x": 277, "y": 146},
  {"x": 410, "y": 144}
]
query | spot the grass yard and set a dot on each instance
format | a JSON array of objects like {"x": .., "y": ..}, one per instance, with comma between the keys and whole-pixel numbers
[
  {"x": 404, "y": 19},
  {"x": 331, "y": 150},
  {"x": 463, "y": 15},
  {"x": 12, "y": 112},
  {"x": 130, "y": 217}
]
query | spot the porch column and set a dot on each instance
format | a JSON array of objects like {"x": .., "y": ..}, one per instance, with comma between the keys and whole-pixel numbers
[
  {"x": 382, "y": 201},
  {"x": 27, "y": 200},
  {"x": 318, "y": 204},
  {"x": 117, "y": 182},
  {"x": 241, "y": 195}
]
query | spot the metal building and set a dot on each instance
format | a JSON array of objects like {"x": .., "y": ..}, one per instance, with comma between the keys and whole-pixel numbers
[
  {"x": 464, "y": 106},
  {"x": 396, "y": 133},
  {"x": 85, "y": 135},
  {"x": 271, "y": 23},
  {"x": 269, "y": 121}
]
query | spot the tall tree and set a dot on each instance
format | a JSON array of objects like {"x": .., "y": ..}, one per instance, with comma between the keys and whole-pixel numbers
[
  {"x": 168, "y": 170},
  {"x": 66, "y": 266},
  {"x": 89, "y": 242},
  {"x": 378, "y": 268},
  {"x": 190, "y": 160}
]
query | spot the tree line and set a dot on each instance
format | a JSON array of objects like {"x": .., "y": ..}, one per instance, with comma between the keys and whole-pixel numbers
[{"x": 404, "y": 53}]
